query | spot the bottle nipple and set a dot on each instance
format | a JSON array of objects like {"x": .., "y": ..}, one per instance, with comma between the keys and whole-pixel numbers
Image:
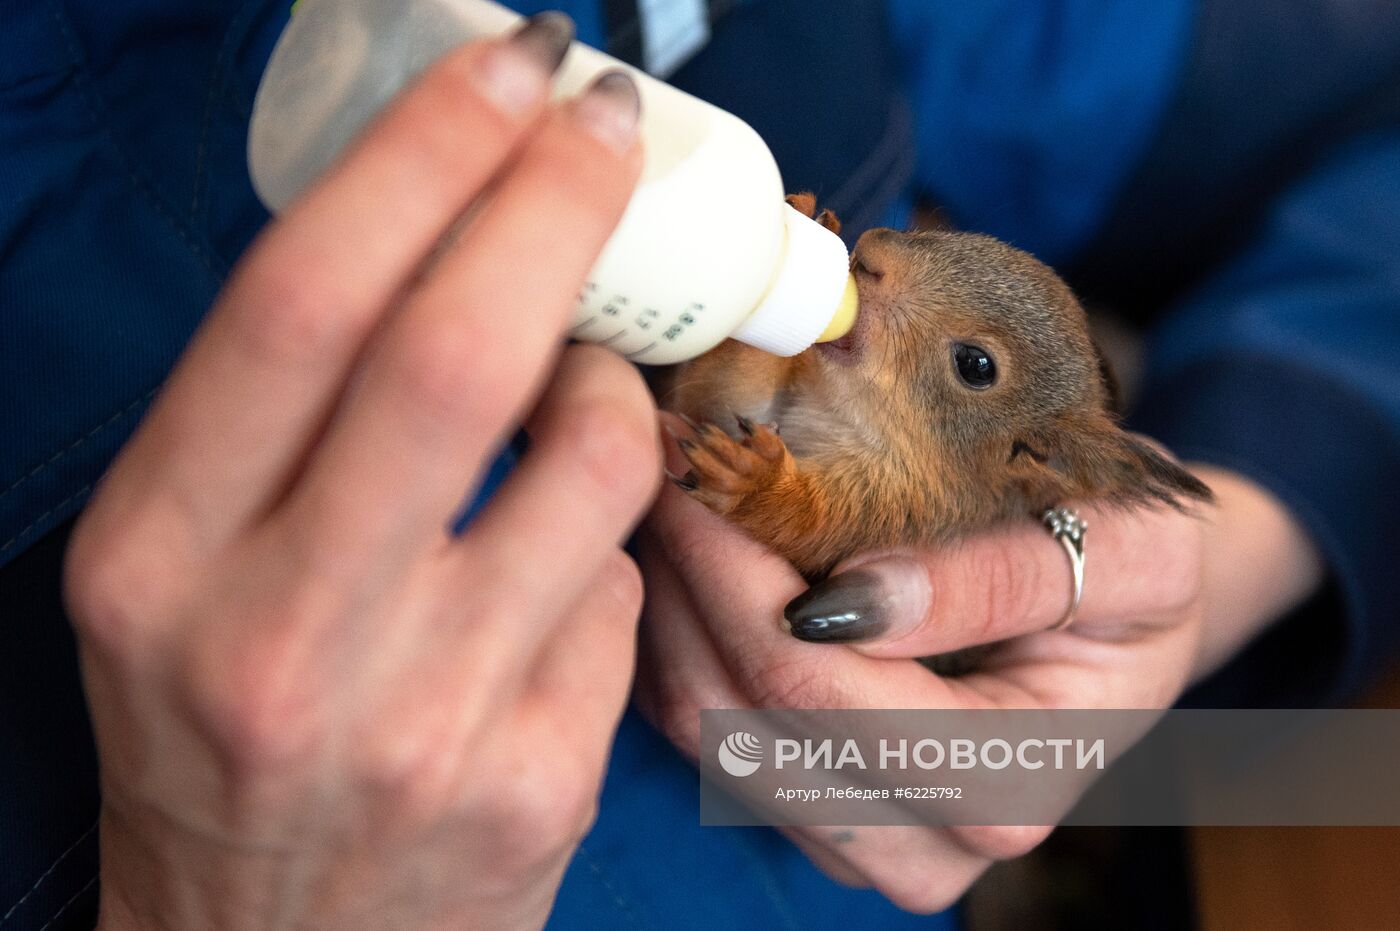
[{"x": 846, "y": 312}]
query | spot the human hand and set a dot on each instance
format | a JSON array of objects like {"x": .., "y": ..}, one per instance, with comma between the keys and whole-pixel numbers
[
  {"x": 711, "y": 637},
  {"x": 313, "y": 707}
]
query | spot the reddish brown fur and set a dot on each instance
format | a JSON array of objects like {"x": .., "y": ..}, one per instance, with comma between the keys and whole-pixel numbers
[{"x": 880, "y": 444}]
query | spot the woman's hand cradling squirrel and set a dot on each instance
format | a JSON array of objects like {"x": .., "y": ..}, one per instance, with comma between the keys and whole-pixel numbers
[
  {"x": 1167, "y": 597},
  {"x": 899, "y": 469}
]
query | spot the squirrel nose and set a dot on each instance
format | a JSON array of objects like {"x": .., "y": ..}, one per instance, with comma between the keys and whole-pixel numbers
[{"x": 874, "y": 254}]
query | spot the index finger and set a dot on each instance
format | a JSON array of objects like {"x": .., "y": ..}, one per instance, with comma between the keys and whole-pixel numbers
[{"x": 269, "y": 361}]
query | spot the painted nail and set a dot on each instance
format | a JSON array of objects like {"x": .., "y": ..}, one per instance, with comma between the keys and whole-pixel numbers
[
  {"x": 610, "y": 109},
  {"x": 545, "y": 37},
  {"x": 883, "y": 599},
  {"x": 515, "y": 74}
]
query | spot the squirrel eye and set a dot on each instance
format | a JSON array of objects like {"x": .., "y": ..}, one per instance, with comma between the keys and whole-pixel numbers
[{"x": 975, "y": 366}]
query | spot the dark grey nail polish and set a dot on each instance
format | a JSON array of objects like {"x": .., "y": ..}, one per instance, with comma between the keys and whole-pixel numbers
[
  {"x": 842, "y": 609},
  {"x": 546, "y": 38},
  {"x": 610, "y": 109}
]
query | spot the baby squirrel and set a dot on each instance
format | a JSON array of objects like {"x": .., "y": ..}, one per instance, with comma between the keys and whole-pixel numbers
[{"x": 968, "y": 393}]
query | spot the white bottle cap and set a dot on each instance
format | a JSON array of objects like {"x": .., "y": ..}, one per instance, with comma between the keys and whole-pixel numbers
[{"x": 805, "y": 293}]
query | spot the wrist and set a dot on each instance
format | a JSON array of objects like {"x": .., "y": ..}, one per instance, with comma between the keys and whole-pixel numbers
[
  {"x": 163, "y": 880},
  {"x": 157, "y": 878}
]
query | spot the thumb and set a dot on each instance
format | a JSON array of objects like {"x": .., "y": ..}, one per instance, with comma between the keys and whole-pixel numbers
[{"x": 914, "y": 603}]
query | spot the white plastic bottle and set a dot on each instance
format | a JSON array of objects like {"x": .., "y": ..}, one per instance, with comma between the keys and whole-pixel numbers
[{"x": 706, "y": 249}]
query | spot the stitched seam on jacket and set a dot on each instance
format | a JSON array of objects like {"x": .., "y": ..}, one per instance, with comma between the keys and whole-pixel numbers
[
  {"x": 45, "y": 516},
  {"x": 48, "y": 872},
  {"x": 205, "y": 258},
  {"x": 143, "y": 187},
  {"x": 218, "y": 79},
  {"x": 601, "y": 875},
  {"x": 56, "y": 457},
  {"x": 54, "y": 917}
]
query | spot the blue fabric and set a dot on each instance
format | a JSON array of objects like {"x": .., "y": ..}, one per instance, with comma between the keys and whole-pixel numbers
[
  {"x": 647, "y": 865},
  {"x": 1285, "y": 367},
  {"x": 1030, "y": 116},
  {"x": 113, "y": 242}
]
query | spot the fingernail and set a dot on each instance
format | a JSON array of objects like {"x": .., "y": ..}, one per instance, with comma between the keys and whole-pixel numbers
[
  {"x": 515, "y": 74},
  {"x": 609, "y": 110},
  {"x": 545, "y": 37},
  {"x": 883, "y": 599}
]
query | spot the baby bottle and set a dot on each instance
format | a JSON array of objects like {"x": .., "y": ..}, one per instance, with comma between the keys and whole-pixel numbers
[{"x": 706, "y": 249}]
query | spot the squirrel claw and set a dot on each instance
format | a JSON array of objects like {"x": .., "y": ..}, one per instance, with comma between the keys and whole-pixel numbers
[
  {"x": 725, "y": 471},
  {"x": 686, "y": 482}
]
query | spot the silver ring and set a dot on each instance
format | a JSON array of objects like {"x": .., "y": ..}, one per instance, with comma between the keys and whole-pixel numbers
[{"x": 1065, "y": 526}]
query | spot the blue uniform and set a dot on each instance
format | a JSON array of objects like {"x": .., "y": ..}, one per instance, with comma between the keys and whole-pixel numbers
[{"x": 1230, "y": 177}]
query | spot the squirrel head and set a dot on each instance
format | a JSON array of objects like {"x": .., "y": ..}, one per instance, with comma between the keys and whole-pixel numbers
[{"x": 979, "y": 357}]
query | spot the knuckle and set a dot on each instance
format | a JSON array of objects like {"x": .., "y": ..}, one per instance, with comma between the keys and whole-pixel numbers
[
  {"x": 112, "y": 585},
  {"x": 1179, "y": 567},
  {"x": 622, "y": 580},
  {"x": 795, "y": 684},
  {"x": 1003, "y": 842},
  {"x": 285, "y": 314},
  {"x": 419, "y": 770},
  {"x": 920, "y": 892},
  {"x": 254, "y": 727},
  {"x": 617, "y": 447},
  {"x": 548, "y": 811},
  {"x": 596, "y": 370},
  {"x": 255, "y": 700},
  {"x": 676, "y": 715},
  {"x": 436, "y": 373},
  {"x": 1004, "y": 583}
]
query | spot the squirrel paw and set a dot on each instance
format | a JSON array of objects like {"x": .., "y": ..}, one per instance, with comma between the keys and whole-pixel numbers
[
  {"x": 805, "y": 203},
  {"x": 725, "y": 471}
]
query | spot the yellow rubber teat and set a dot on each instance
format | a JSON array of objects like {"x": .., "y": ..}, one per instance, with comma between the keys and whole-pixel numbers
[{"x": 846, "y": 312}]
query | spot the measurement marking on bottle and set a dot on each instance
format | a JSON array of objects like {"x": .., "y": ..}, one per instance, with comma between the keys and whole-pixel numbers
[
  {"x": 635, "y": 353},
  {"x": 584, "y": 325},
  {"x": 608, "y": 341}
]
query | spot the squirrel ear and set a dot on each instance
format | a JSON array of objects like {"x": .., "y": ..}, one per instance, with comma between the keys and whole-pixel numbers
[
  {"x": 804, "y": 202},
  {"x": 1094, "y": 458}
]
